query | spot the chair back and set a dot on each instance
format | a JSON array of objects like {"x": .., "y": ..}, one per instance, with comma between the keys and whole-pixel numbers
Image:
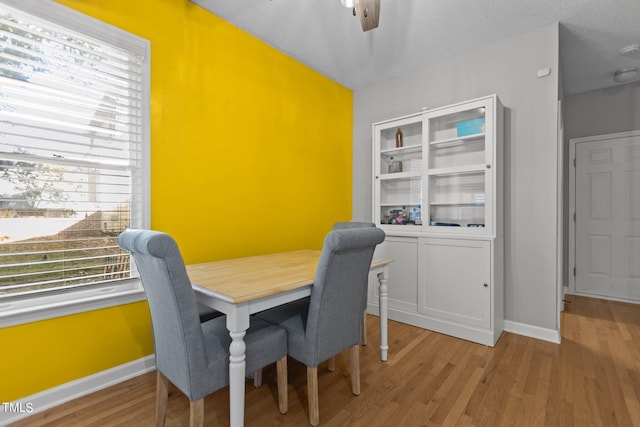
[
  {"x": 355, "y": 224},
  {"x": 335, "y": 308},
  {"x": 179, "y": 340},
  {"x": 352, "y": 224}
]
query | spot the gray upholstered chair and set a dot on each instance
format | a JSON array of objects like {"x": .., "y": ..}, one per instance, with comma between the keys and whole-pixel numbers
[
  {"x": 328, "y": 322},
  {"x": 194, "y": 356},
  {"x": 341, "y": 225}
]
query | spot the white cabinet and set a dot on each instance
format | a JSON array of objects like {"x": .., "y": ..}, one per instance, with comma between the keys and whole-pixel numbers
[
  {"x": 460, "y": 289},
  {"x": 399, "y": 171},
  {"x": 460, "y": 168},
  {"x": 403, "y": 270},
  {"x": 437, "y": 179},
  {"x": 436, "y": 171},
  {"x": 455, "y": 276}
]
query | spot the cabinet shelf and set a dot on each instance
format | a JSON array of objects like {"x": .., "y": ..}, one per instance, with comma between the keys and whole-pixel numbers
[
  {"x": 461, "y": 204},
  {"x": 412, "y": 149},
  {"x": 450, "y": 142},
  {"x": 401, "y": 203},
  {"x": 401, "y": 175},
  {"x": 457, "y": 170}
]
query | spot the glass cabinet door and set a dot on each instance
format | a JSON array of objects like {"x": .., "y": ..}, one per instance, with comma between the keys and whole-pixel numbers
[
  {"x": 459, "y": 175},
  {"x": 399, "y": 172}
]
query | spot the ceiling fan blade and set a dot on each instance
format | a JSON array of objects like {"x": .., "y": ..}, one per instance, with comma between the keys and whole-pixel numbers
[{"x": 369, "y": 13}]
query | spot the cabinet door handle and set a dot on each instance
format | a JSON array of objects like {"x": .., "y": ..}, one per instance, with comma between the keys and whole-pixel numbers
[
  {"x": 486, "y": 285},
  {"x": 488, "y": 166}
]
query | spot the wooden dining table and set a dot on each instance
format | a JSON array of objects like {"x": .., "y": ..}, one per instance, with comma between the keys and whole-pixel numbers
[{"x": 240, "y": 287}]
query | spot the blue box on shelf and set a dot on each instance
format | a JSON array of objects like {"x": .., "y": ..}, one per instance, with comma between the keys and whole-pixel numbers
[{"x": 470, "y": 127}]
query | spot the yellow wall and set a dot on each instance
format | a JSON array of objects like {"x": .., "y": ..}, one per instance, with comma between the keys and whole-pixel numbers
[
  {"x": 41, "y": 355},
  {"x": 251, "y": 153}
]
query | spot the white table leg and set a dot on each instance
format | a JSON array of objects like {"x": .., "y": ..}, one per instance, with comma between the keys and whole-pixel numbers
[
  {"x": 382, "y": 293},
  {"x": 237, "y": 324}
]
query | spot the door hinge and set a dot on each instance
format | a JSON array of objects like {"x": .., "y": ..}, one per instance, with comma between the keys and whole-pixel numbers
[
  {"x": 574, "y": 162},
  {"x": 574, "y": 272},
  {"x": 574, "y": 217}
]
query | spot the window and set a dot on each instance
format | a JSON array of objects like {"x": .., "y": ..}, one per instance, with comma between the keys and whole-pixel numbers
[{"x": 74, "y": 139}]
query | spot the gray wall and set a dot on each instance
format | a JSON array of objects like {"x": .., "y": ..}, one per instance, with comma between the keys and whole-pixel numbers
[
  {"x": 599, "y": 112},
  {"x": 508, "y": 69}
]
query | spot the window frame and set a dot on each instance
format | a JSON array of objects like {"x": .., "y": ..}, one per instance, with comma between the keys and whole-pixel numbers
[{"x": 27, "y": 308}]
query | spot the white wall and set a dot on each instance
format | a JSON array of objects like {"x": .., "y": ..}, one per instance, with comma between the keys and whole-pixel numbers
[{"x": 508, "y": 69}]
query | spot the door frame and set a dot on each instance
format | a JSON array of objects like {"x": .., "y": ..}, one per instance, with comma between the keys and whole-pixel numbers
[
  {"x": 560, "y": 220},
  {"x": 572, "y": 201}
]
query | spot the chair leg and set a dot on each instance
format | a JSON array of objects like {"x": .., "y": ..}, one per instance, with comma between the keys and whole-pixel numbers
[
  {"x": 355, "y": 370},
  {"x": 312, "y": 395},
  {"x": 332, "y": 364},
  {"x": 257, "y": 378},
  {"x": 162, "y": 395},
  {"x": 363, "y": 339},
  {"x": 283, "y": 396},
  {"x": 196, "y": 413}
]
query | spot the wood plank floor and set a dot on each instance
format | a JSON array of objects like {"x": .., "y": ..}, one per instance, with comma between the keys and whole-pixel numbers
[{"x": 591, "y": 379}]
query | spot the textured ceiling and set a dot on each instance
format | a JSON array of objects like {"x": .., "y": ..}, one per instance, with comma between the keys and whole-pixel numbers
[{"x": 415, "y": 33}]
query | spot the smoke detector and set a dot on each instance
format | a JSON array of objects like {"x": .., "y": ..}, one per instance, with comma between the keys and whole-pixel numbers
[
  {"x": 625, "y": 74},
  {"x": 630, "y": 50}
]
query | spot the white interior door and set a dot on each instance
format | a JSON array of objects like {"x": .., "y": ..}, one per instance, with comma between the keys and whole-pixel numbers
[{"x": 607, "y": 197}]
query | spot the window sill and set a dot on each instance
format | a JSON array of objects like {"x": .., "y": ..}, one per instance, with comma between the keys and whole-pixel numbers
[{"x": 63, "y": 302}]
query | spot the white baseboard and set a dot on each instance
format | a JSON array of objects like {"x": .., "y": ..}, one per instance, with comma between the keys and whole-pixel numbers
[
  {"x": 532, "y": 331},
  {"x": 421, "y": 321},
  {"x": 27, "y": 406},
  {"x": 604, "y": 297}
]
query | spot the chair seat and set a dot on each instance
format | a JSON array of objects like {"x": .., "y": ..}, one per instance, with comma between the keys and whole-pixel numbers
[
  {"x": 265, "y": 343},
  {"x": 292, "y": 317}
]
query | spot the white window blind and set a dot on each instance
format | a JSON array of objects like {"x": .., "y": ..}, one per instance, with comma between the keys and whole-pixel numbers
[{"x": 73, "y": 138}]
